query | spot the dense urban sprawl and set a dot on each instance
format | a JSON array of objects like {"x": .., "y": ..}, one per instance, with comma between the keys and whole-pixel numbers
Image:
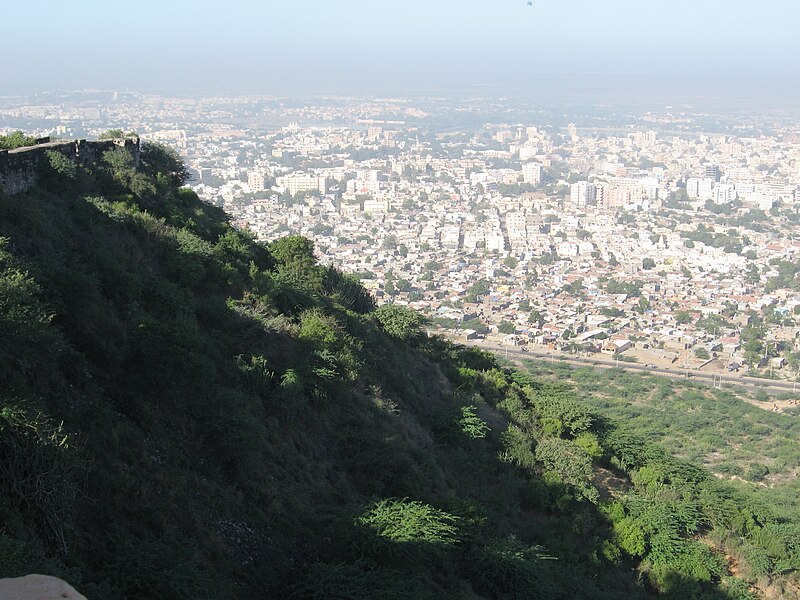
[{"x": 653, "y": 241}]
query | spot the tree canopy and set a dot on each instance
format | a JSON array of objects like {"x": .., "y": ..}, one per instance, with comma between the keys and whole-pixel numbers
[{"x": 16, "y": 139}]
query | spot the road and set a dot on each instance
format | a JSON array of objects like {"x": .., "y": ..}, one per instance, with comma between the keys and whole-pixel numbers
[{"x": 717, "y": 379}]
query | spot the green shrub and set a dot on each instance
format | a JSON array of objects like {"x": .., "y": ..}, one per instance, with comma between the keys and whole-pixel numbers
[
  {"x": 16, "y": 139},
  {"x": 570, "y": 462},
  {"x": 40, "y": 470},
  {"x": 471, "y": 424},
  {"x": 508, "y": 569},
  {"x": 517, "y": 448},
  {"x": 589, "y": 442},
  {"x": 399, "y": 322},
  {"x": 757, "y": 472},
  {"x": 411, "y": 521},
  {"x": 61, "y": 166}
]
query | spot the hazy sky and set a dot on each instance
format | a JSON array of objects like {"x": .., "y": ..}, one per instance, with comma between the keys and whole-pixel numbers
[{"x": 249, "y": 45}]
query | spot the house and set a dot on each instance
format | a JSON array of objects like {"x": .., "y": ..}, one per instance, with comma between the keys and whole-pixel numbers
[{"x": 616, "y": 346}]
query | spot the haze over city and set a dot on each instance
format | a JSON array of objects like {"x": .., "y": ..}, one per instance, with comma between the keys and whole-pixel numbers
[{"x": 711, "y": 48}]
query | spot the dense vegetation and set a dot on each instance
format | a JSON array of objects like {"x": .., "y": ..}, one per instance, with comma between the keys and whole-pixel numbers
[
  {"x": 753, "y": 453},
  {"x": 185, "y": 413},
  {"x": 17, "y": 139}
]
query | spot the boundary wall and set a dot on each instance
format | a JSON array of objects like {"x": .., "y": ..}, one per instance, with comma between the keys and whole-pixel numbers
[{"x": 19, "y": 168}]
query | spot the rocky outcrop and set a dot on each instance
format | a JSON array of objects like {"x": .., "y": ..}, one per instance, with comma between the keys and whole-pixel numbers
[{"x": 37, "y": 587}]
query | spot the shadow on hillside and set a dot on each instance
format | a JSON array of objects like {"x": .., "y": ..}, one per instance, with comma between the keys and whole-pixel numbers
[{"x": 188, "y": 429}]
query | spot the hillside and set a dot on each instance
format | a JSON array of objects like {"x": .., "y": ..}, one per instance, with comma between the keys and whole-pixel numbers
[
  {"x": 185, "y": 413},
  {"x": 754, "y": 451}
]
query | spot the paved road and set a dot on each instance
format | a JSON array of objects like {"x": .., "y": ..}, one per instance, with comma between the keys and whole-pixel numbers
[{"x": 604, "y": 363}]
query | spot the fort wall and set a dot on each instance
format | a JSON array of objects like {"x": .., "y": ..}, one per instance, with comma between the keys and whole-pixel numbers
[{"x": 19, "y": 168}]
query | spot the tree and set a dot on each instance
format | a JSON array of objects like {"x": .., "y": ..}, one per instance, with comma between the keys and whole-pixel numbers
[
  {"x": 388, "y": 283},
  {"x": 574, "y": 288},
  {"x": 111, "y": 134},
  {"x": 648, "y": 263},
  {"x": 409, "y": 173},
  {"x": 622, "y": 287},
  {"x": 293, "y": 251},
  {"x": 471, "y": 424},
  {"x": 712, "y": 324},
  {"x": 548, "y": 258},
  {"x": 536, "y": 318},
  {"x": 479, "y": 288},
  {"x": 683, "y": 317},
  {"x": 702, "y": 353},
  {"x": 400, "y": 322},
  {"x": 475, "y": 324},
  {"x": 62, "y": 166},
  {"x": 16, "y": 139},
  {"x": 411, "y": 521},
  {"x": 506, "y": 327},
  {"x": 297, "y": 270},
  {"x": 643, "y": 305},
  {"x": 158, "y": 159},
  {"x": 120, "y": 163},
  {"x": 570, "y": 462}
]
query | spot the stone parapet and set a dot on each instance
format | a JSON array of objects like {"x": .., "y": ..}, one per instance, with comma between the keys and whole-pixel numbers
[{"x": 19, "y": 168}]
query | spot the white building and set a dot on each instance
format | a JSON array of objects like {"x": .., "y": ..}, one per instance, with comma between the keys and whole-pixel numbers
[
  {"x": 582, "y": 193},
  {"x": 256, "y": 181},
  {"x": 532, "y": 173},
  {"x": 373, "y": 205},
  {"x": 572, "y": 132},
  {"x": 451, "y": 236},
  {"x": 527, "y": 152},
  {"x": 303, "y": 183},
  {"x": 363, "y": 186},
  {"x": 724, "y": 193},
  {"x": 699, "y": 188}
]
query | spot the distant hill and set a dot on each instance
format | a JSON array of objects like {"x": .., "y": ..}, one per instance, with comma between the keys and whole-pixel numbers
[{"x": 185, "y": 413}]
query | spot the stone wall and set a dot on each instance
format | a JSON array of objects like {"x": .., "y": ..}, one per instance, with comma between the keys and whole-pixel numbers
[{"x": 19, "y": 168}]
